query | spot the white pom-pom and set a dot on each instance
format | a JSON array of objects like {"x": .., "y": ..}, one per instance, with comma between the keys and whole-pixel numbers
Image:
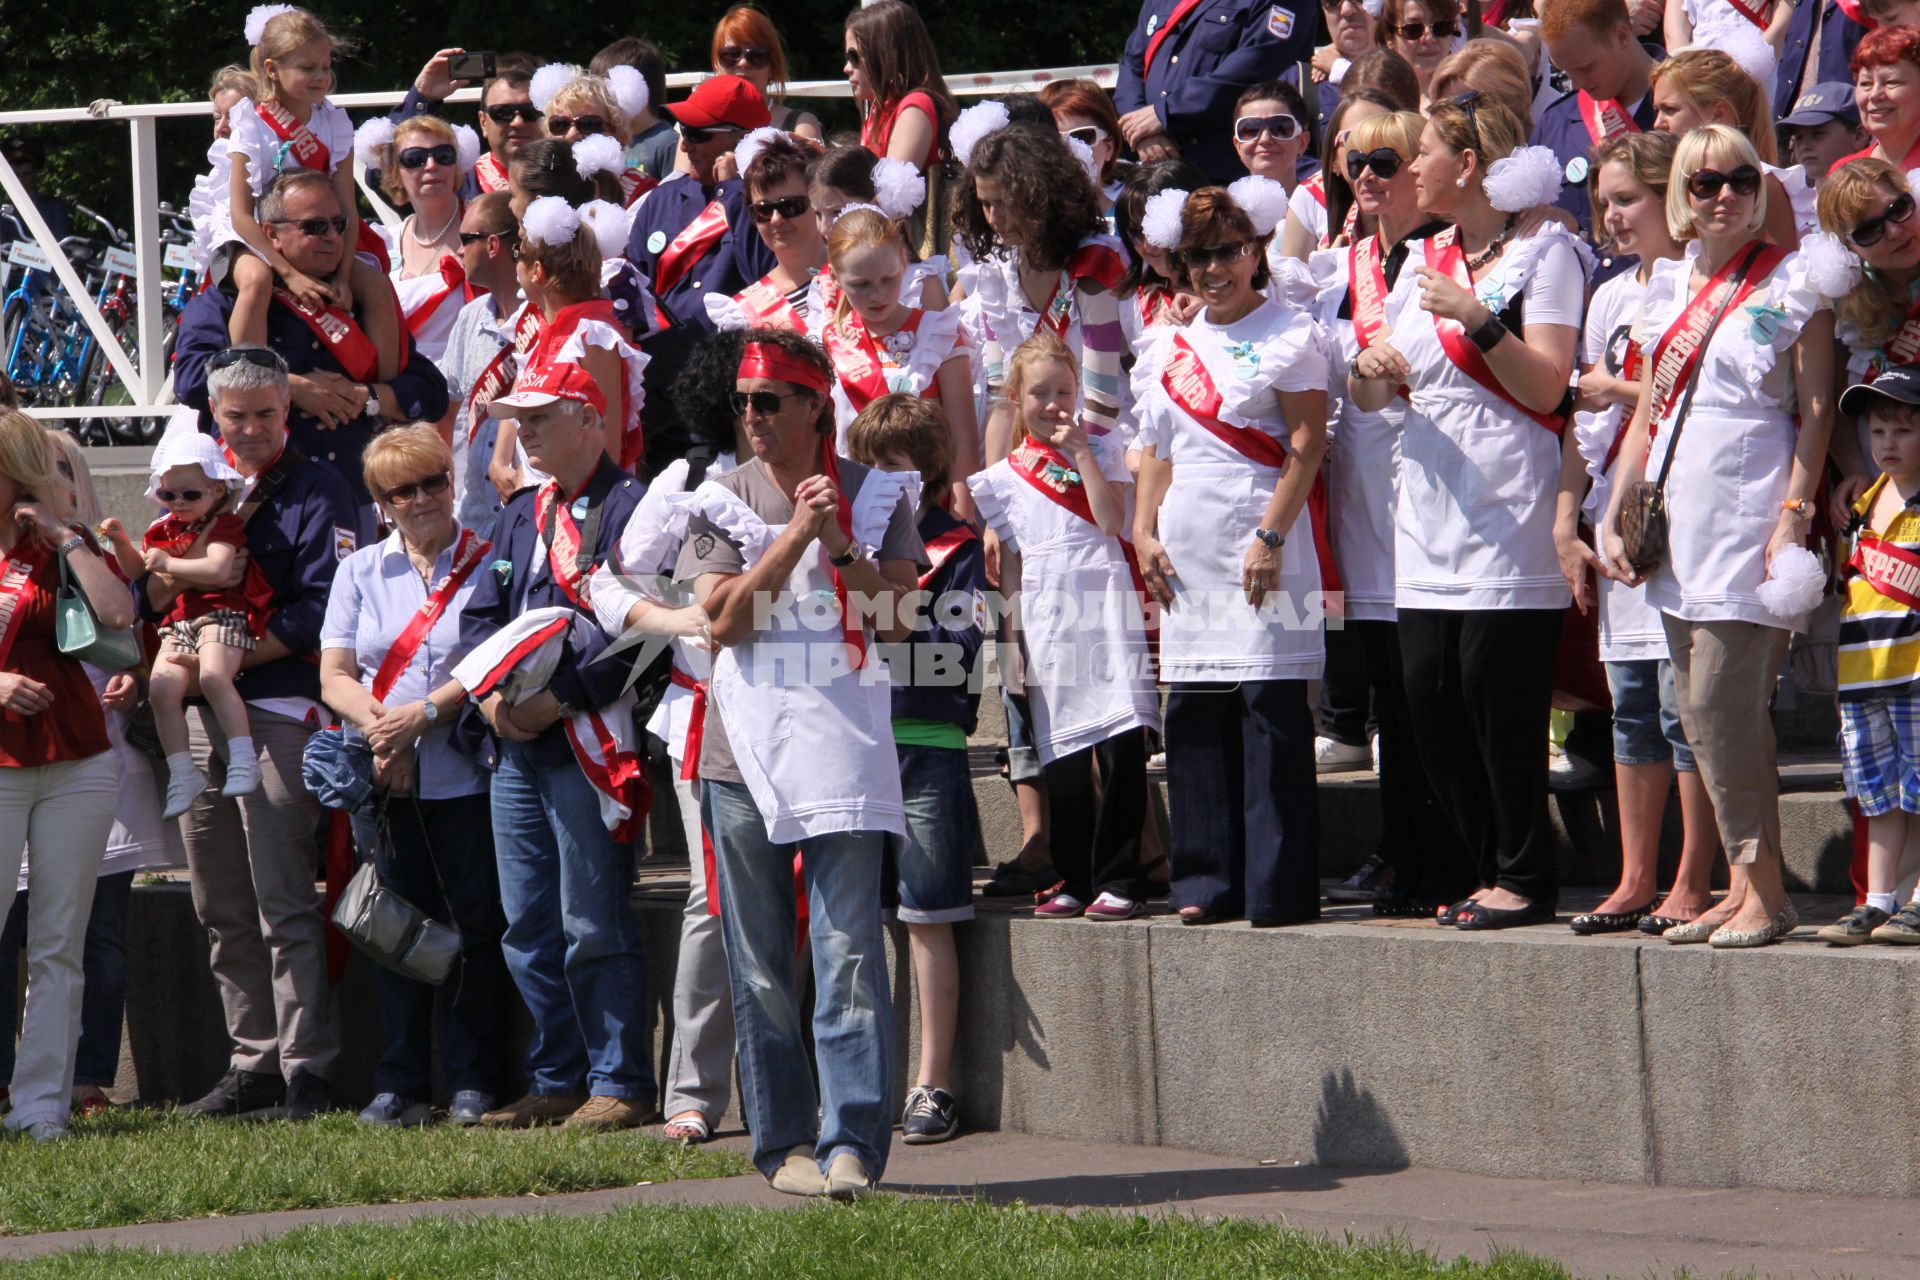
[
  {"x": 260, "y": 15},
  {"x": 1832, "y": 268},
  {"x": 1913, "y": 180},
  {"x": 599, "y": 153},
  {"x": 1795, "y": 582},
  {"x": 1163, "y": 222},
  {"x": 629, "y": 90},
  {"x": 548, "y": 81},
  {"x": 1084, "y": 154},
  {"x": 754, "y": 143},
  {"x": 856, "y": 207},
  {"x": 549, "y": 220},
  {"x": 973, "y": 124},
  {"x": 1374, "y": 8},
  {"x": 898, "y": 187},
  {"x": 610, "y": 224},
  {"x": 1528, "y": 178},
  {"x": 369, "y": 140},
  {"x": 1263, "y": 200},
  {"x": 1743, "y": 42},
  {"x": 467, "y": 143},
  {"x": 723, "y": 309}
]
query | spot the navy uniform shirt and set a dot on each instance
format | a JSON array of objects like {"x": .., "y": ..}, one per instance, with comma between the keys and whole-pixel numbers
[
  {"x": 1561, "y": 128},
  {"x": 735, "y": 261},
  {"x": 419, "y": 387},
  {"x": 507, "y": 588},
  {"x": 1799, "y": 72},
  {"x": 1219, "y": 49}
]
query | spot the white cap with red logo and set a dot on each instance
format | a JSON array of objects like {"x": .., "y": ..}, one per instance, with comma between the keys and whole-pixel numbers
[{"x": 546, "y": 384}]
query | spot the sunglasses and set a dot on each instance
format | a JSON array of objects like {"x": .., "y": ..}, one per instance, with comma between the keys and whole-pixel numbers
[
  {"x": 1442, "y": 30},
  {"x": 1204, "y": 256},
  {"x": 789, "y": 208},
  {"x": 558, "y": 125},
  {"x": 1469, "y": 102},
  {"x": 315, "y": 227},
  {"x": 1705, "y": 184},
  {"x": 853, "y": 59},
  {"x": 744, "y": 55},
  {"x": 1090, "y": 134},
  {"x": 417, "y": 157},
  {"x": 1869, "y": 232},
  {"x": 508, "y": 112},
  {"x": 1384, "y": 161},
  {"x": 475, "y": 237},
  {"x": 764, "y": 403},
  {"x": 1249, "y": 128},
  {"x": 406, "y": 494},
  {"x": 694, "y": 137},
  {"x": 258, "y": 356},
  {"x": 1335, "y": 6},
  {"x": 179, "y": 495}
]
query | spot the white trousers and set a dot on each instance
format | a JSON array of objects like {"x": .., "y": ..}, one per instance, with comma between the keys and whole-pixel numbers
[
  {"x": 700, "y": 1061},
  {"x": 66, "y": 811}
]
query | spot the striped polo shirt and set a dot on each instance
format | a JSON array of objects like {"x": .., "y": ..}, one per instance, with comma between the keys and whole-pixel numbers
[{"x": 1879, "y": 627}]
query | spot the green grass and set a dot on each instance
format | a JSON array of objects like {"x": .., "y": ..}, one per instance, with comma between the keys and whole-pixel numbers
[
  {"x": 144, "y": 1166},
  {"x": 884, "y": 1239}
]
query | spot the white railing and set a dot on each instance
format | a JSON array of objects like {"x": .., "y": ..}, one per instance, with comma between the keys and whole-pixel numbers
[{"x": 149, "y": 386}]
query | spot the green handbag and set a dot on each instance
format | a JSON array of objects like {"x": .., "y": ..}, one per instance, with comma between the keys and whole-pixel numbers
[{"x": 77, "y": 632}]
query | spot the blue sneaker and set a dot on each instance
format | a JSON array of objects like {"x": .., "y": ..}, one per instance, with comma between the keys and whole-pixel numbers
[
  {"x": 468, "y": 1106},
  {"x": 391, "y": 1111}
]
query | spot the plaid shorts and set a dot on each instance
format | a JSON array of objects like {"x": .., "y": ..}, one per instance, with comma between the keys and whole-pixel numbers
[
  {"x": 1880, "y": 754},
  {"x": 222, "y": 626}
]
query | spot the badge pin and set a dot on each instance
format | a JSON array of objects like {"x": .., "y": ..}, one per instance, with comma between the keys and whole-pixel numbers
[
  {"x": 656, "y": 242},
  {"x": 1577, "y": 169},
  {"x": 1153, "y": 20}
]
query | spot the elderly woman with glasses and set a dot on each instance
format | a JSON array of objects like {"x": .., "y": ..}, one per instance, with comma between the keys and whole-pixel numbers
[
  {"x": 387, "y": 650},
  {"x": 423, "y": 162},
  {"x": 745, "y": 44}
]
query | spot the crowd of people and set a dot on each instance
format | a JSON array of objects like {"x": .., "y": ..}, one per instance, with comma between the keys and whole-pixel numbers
[{"x": 1471, "y": 363}]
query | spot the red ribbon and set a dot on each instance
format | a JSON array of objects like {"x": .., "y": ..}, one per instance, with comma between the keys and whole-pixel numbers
[{"x": 689, "y": 247}]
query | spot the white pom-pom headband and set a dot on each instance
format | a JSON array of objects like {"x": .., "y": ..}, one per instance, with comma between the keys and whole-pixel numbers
[
  {"x": 370, "y": 139},
  {"x": 1263, "y": 200},
  {"x": 1523, "y": 180},
  {"x": 599, "y": 153},
  {"x": 855, "y": 208},
  {"x": 258, "y": 18},
  {"x": 1084, "y": 154},
  {"x": 749, "y": 147},
  {"x": 467, "y": 143},
  {"x": 974, "y": 124},
  {"x": 549, "y": 80},
  {"x": 898, "y": 188},
  {"x": 1163, "y": 220},
  {"x": 610, "y": 224},
  {"x": 1832, "y": 268},
  {"x": 550, "y": 221},
  {"x": 629, "y": 90}
]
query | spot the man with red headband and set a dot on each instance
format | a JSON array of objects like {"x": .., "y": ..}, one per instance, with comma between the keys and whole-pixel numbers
[{"x": 794, "y": 554}]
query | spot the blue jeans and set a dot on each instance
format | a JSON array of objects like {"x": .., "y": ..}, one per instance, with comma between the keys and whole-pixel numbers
[
  {"x": 453, "y": 837},
  {"x": 852, "y": 1004},
  {"x": 571, "y": 944},
  {"x": 104, "y": 998},
  {"x": 1646, "y": 716},
  {"x": 943, "y": 826}
]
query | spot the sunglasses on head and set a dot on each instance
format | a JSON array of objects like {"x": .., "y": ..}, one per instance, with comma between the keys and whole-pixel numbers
[
  {"x": 1705, "y": 184},
  {"x": 1249, "y": 128},
  {"x": 744, "y": 55},
  {"x": 1090, "y": 134},
  {"x": 475, "y": 237},
  {"x": 1868, "y": 232},
  {"x": 764, "y": 403},
  {"x": 443, "y": 154},
  {"x": 1445, "y": 29},
  {"x": 508, "y": 112},
  {"x": 179, "y": 495},
  {"x": 1201, "y": 257},
  {"x": 789, "y": 208},
  {"x": 1384, "y": 161},
  {"x": 558, "y": 125},
  {"x": 405, "y": 494},
  {"x": 853, "y": 58},
  {"x": 1469, "y": 102},
  {"x": 258, "y": 356},
  {"x": 315, "y": 227}
]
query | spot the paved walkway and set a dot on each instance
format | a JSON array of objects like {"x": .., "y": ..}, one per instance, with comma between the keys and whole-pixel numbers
[{"x": 1595, "y": 1229}]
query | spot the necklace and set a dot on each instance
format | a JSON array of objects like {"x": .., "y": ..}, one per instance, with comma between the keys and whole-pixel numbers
[
  {"x": 1493, "y": 250},
  {"x": 429, "y": 242}
]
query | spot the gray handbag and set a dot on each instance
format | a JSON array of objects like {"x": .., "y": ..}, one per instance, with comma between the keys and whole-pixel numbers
[{"x": 392, "y": 931}]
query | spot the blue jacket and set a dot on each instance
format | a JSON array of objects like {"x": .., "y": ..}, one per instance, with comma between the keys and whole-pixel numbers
[
  {"x": 1219, "y": 49},
  {"x": 1839, "y": 35},
  {"x": 419, "y": 387},
  {"x": 736, "y": 261},
  {"x": 508, "y": 588},
  {"x": 307, "y": 523},
  {"x": 944, "y": 641},
  {"x": 1561, "y": 128}
]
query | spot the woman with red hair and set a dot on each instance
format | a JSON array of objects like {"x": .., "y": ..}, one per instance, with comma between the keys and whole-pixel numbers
[
  {"x": 1886, "y": 89},
  {"x": 745, "y": 44},
  {"x": 1084, "y": 112}
]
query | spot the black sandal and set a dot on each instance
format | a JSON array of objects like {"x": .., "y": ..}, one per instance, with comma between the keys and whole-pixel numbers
[
  {"x": 1449, "y": 915},
  {"x": 1200, "y": 916},
  {"x": 1589, "y": 923},
  {"x": 1478, "y": 915}
]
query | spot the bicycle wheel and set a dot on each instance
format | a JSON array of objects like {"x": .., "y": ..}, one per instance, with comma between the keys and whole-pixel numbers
[{"x": 100, "y": 385}]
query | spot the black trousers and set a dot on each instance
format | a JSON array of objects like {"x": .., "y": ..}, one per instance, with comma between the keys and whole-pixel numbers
[
  {"x": 1094, "y": 830},
  {"x": 1479, "y": 685},
  {"x": 1349, "y": 688},
  {"x": 1242, "y": 800}
]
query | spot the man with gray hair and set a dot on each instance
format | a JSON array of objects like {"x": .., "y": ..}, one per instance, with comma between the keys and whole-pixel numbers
[
  {"x": 336, "y": 403},
  {"x": 252, "y": 857}
]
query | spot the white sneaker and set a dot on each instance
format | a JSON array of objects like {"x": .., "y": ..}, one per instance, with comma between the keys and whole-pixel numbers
[
  {"x": 184, "y": 785},
  {"x": 243, "y": 770},
  {"x": 1570, "y": 773},
  {"x": 1330, "y": 756},
  {"x": 1374, "y": 746},
  {"x": 1157, "y": 762},
  {"x": 46, "y": 1131}
]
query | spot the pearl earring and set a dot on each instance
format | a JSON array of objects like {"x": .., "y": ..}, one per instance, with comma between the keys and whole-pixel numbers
[{"x": 1459, "y": 182}]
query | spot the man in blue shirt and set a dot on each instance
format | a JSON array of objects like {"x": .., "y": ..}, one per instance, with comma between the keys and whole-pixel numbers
[{"x": 1593, "y": 42}]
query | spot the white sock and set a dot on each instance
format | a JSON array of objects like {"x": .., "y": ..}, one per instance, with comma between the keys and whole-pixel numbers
[
  {"x": 239, "y": 749},
  {"x": 1885, "y": 901},
  {"x": 180, "y": 763}
]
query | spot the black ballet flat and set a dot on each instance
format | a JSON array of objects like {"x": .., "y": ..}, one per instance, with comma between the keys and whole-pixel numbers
[
  {"x": 1591, "y": 922},
  {"x": 1477, "y": 916},
  {"x": 1654, "y": 926},
  {"x": 1404, "y": 906}
]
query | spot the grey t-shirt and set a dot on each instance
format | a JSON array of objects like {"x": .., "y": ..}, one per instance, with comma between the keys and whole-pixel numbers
[{"x": 708, "y": 549}]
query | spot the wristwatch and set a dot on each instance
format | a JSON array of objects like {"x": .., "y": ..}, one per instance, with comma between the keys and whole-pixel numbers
[
  {"x": 431, "y": 712},
  {"x": 1799, "y": 506},
  {"x": 854, "y": 552},
  {"x": 372, "y": 409},
  {"x": 1271, "y": 540}
]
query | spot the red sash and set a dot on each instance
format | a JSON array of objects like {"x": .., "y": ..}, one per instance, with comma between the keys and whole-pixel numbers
[
  {"x": 490, "y": 174},
  {"x": 856, "y": 358},
  {"x": 1757, "y": 14},
  {"x": 348, "y": 343},
  {"x": 563, "y": 551},
  {"x": 1154, "y": 41},
  {"x": 688, "y": 248},
  {"x": 500, "y": 371},
  {"x": 619, "y": 774},
  {"x": 16, "y": 588},
  {"x": 1367, "y": 278},
  {"x": 1191, "y": 387},
  {"x": 696, "y": 724},
  {"x": 1904, "y": 346},
  {"x": 1316, "y": 186},
  {"x": 302, "y": 146},
  {"x": 452, "y": 277},
  {"x": 1443, "y": 254},
  {"x": 1629, "y": 372},
  {"x": 768, "y": 308},
  {"x": 1156, "y": 305},
  {"x": 941, "y": 549},
  {"x": 466, "y": 557},
  {"x": 1889, "y": 568},
  {"x": 1680, "y": 346},
  {"x": 851, "y": 629},
  {"x": 1604, "y": 117},
  {"x": 1029, "y": 461}
]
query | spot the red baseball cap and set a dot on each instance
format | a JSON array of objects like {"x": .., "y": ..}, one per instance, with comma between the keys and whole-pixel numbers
[
  {"x": 721, "y": 101},
  {"x": 544, "y": 384}
]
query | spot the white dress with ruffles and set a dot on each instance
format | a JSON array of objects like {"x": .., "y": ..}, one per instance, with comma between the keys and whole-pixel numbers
[
  {"x": 266, "y": 160},
  {"x": 912, "y": 370}
]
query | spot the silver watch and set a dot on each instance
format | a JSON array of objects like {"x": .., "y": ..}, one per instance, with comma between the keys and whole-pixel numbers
[
  {"x": 373, "y": 403},
  {"x": 431, "y": 712}
]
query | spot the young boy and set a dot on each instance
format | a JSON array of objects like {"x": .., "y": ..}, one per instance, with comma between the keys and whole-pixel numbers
[
  {"x": 936, "y": 692},
  {"x": 1880, "y": 657}
]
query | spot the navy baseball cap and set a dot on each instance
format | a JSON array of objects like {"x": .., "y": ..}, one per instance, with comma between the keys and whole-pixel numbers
[
  {"x": 1823, "y": 102},
  {"x": 1900, "y": 384}
]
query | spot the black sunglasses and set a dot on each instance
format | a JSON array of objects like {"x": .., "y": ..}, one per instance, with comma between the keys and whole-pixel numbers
[
  {"x": 315, "y": 227},
  {"x": 558, "y": 125},
  {"x": 1204, "y": 256},
  {"x": 744, "y": 55},
  {"x": 1869, "y": 232},
  {"x": 260, "y": 357},
  {"x": 1442, "y": 30},
  {"x": 405, "y": 494},
  {"x": 417, "y": 157},
  {"x": 1705, "y": 184},
  {"x": 179, "y": 495},
  {"x": 475, "y": 237},
  {"x": 696, "y": 137},
  {"x": 764, "y": 403},
  {"x": 1384, "y": 161},
  {"x": 853, "y": 58},
  {"x": 1249, "y": 128},
  {"x": 508, "y": 112},
  {"x": 789, "y": 208},
  {"x": 1469, "y": 102}
]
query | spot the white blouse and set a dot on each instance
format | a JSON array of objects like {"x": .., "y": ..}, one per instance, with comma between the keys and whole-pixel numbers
[{"x": 253, "y": 138}]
